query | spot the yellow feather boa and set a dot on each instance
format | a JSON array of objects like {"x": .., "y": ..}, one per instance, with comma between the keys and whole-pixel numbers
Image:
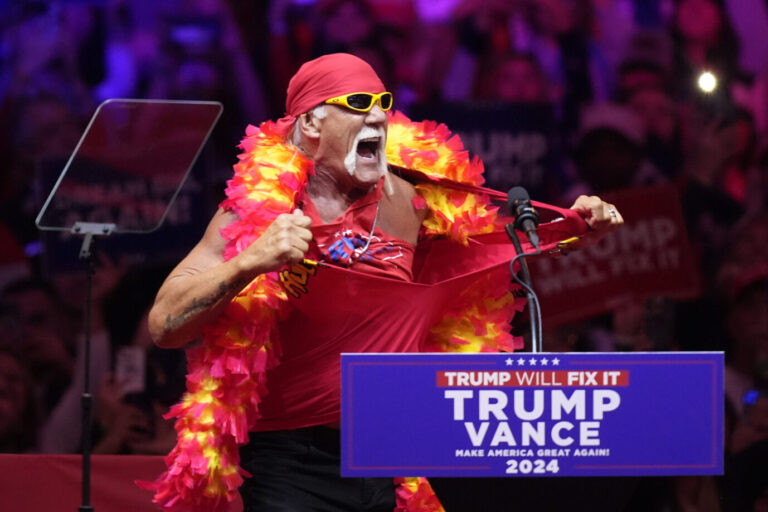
[{"x": 227, "y": 373}]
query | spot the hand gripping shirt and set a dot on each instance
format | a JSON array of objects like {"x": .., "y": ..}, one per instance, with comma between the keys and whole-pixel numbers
[{"x": 304, "y": 389}]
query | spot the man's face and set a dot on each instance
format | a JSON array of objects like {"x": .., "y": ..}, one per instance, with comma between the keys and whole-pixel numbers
[
  {"x": 352, "y": 144},
  {"x": 657, "y": 110}
]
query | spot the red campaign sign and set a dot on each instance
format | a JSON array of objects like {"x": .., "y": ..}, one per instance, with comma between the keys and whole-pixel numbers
[{"x": 650, "y": 256}]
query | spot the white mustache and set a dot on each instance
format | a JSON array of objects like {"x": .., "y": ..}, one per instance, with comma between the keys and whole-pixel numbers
[{"x": 368, "y": 132}]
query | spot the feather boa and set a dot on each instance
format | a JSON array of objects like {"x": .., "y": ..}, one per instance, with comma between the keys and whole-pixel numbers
[{"x": 227, "y": 373}]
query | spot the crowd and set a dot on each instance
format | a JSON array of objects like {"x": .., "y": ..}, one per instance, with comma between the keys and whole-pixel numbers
[{"x": 618, "y": 77}]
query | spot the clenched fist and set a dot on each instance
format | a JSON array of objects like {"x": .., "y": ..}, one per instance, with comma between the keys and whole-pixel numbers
[
  {"x": 600, "y": 216},
  {"x": 285, "y": 241}
]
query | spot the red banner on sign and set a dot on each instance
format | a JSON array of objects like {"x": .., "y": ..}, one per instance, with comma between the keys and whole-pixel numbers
[
  {"x": 650, "y": 256},
  {"x": 532, "y": 378}
]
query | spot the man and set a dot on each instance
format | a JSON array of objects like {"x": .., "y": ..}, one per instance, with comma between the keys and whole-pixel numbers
[
  {"x": 330, "y": 137},
  {"x": 351, "y": 213}
]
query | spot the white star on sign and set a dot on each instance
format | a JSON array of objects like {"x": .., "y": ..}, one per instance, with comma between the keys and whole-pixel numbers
[
  {"x": 520, "y": 362},
  {"x": 532, "y": 362},
  {"x": 555, "y": 362},
  {"x": 508, "y": 361},
  {"x": 544, "y": 361}
]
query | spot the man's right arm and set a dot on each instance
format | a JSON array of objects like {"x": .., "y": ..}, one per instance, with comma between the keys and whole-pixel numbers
[{"x": 202, "y": 284}]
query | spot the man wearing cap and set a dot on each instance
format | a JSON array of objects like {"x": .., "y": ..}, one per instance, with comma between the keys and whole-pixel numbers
[{"x": 351, "y": 212}]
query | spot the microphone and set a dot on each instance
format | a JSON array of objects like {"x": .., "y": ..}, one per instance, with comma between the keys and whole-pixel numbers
[{"x": 525, "y": 215}]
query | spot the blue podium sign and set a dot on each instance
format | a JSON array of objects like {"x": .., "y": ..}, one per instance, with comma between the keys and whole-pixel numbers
[{"x": 523, "y": 414}]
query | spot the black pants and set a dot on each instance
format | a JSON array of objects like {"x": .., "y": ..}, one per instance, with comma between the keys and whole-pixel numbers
[{"x": 298, "y": 470}]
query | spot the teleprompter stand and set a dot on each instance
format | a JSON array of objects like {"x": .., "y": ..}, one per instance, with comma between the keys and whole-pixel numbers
[
  {"x": 133, "y": 152},
  {"x": 88, "y": 230}
]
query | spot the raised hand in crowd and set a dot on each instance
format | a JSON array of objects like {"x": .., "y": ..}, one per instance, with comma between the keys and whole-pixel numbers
[{"x": 121, "y": 424}]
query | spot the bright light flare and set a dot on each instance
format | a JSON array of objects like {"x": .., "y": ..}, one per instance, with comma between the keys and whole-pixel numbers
[{"x": 707, "y": 82}]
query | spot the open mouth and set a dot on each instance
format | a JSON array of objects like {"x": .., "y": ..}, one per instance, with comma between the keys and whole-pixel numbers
[{"x": 367, "y": 148}]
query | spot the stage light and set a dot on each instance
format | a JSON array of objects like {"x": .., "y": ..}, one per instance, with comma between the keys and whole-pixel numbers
[{"x": 707, "y": 82}]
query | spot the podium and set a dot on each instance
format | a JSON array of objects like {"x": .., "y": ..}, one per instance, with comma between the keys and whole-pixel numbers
[{"x": 525, "y": 431}]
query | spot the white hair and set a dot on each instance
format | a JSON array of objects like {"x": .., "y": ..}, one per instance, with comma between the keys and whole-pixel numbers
[
  {"x": 296, "y": 138},
  {"x": 319, "y": 111}
]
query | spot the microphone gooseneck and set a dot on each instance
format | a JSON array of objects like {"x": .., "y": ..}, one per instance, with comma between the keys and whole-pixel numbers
[{"x": 526, "y": 219}]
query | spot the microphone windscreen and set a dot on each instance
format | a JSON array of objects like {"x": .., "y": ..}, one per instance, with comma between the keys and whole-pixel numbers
[{"x": 516, "y": 195}]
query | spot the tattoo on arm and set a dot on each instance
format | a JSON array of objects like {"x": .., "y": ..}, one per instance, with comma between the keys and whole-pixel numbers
[{"x": 199, "y": 304}]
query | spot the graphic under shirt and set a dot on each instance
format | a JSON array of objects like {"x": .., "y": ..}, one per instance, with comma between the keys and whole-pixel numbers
[{"x": 351, "y": 241}]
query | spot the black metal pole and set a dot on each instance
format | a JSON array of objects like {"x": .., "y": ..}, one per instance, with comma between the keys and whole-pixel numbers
[{"x": 86, "y": 254}]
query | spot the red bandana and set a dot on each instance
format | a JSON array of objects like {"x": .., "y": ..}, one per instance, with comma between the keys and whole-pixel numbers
[{"x": 323, "y": 78}]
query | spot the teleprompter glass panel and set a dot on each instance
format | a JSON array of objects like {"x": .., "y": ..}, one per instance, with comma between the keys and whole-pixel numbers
[{"x": 129, "y": 164}]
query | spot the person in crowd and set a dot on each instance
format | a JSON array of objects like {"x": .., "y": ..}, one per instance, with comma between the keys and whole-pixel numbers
[
  {"x": 42, "y": 128},
  {"x": 610, "y": 156},
  {"x": 740, "y": 179},
  {"x": 747, "y": 369},
  {"x": 758, "y": 187},
  {"x": 661, "y": 122},
  {"x": 743, "y": 283},
  {"x": 13, "y": 261},
  {"x": 352, "y": 27},
  {"x": 19, "y": 411},
  {"x": 48, "y": 336},
  {"x": 487, "y": 31},
  {"x": 610, "y": 151},
  {"x": 704, "y": 41},
  {"x": 145, "y": 380},
  {"x": 516, "y": 78},
  {"x": 54, "y": 45},
  {"x": 742, "y": 279},
  {"x": 292, "y": 40},
  {"x": 58, "y": 433},
  {"x": 201, "y": 55},
  {"x": 647, "y": 63},
  {"x": 710, "y": 213}
]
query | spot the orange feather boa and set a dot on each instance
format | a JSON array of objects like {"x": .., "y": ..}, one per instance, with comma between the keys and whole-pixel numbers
[{"x": 227, "y": 373}]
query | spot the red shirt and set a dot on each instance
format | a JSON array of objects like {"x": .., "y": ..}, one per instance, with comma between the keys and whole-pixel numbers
[
  {"x": 303, "y": 390},
  {"x": 372, "y": 305}
]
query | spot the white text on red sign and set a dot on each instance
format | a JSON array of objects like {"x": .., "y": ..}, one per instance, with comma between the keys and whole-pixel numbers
[{"x": 533, "y": 378}]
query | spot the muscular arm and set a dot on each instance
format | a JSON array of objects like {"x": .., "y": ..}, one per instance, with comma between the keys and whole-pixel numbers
[{"x": 202, "y": 284}]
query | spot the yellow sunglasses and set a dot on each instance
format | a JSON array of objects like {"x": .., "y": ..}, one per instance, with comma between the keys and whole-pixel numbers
[{"x": 363, "y": 101}]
